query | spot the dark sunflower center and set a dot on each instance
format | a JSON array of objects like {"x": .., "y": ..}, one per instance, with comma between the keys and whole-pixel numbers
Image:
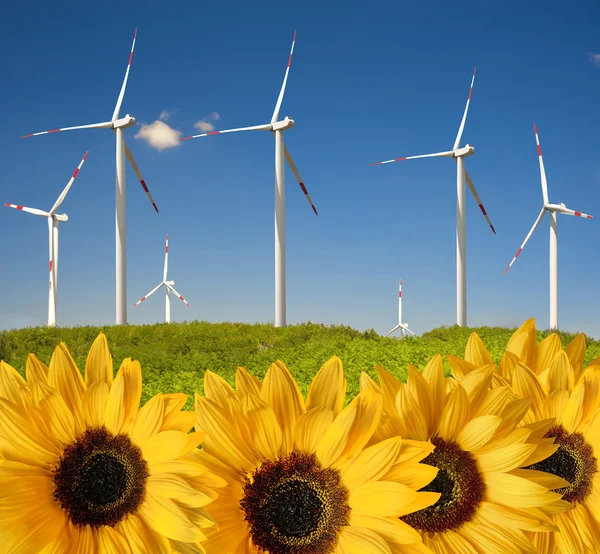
[
  {"x": 461, "y": 487},
  {"x": 292, "y": 506},
  {"x": 574, "y": 461},
  {"x": 100, "y": 478}
]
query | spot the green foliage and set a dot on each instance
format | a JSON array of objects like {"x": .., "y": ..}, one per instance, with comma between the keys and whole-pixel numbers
[{"x": 174, "y": 357}]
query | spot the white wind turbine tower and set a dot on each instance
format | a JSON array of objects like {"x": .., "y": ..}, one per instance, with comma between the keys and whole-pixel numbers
[
  {"x": 461, "y": 216},
  {"x": 281, "y": 152},
  {"x": 118, "y": 126},
  {"x": 53, "y": 220},
  {"x": 402, "y": 326},
  {"x": 168, "y": 288},
  {"x": 552, "y": 209}
]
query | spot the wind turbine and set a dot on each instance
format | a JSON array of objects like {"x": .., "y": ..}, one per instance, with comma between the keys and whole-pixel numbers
[
  {"x": 168, "y": 288},
  {"x": 281, "y": 152},
  {"x": 552, "y": 209},
  {"x": 461, "y": 216},
  {"x": 53, "y": 220},
  {"x": 402, "y": 326},
  {"x": 118, "y": 126}
]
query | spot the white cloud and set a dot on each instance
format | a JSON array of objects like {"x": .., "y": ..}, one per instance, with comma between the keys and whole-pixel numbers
[
  {"x": 164, "y": 115},
  {"x": 594, "y": 58},
  {"x": 159, "y": 135},
  {"x": 204, "y": 125},
  {"x": 215, "y": 115}
]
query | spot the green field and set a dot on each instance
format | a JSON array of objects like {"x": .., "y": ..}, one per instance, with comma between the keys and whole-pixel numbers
[{"x": 174, "y": 357}]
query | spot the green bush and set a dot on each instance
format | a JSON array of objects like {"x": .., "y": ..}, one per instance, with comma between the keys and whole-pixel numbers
[{"x": 174, "y": 357}]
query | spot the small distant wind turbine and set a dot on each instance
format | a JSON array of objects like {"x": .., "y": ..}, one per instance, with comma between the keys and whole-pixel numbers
[
  {"x": 118, "y": 126},
  {"x": 552, "y": 209},
  {"x": 461, "y": 217},
  {"x": 53, "y": 220},
  {"x": 402, "y": 326},
  {"x": 281, "y": 151},
  {"x": 168, "y": 288}
]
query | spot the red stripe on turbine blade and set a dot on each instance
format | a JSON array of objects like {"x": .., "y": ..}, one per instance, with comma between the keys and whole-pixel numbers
[
  {"x": 518, "y": 252},
  {"x": 474, "y": 70},
  {"x": 135, "y": 34},
  {"x": 314, "y": 209},
  {"x": 493, "y": 230},
  {"x": 27, "y": 136},
  {"x": 214, "y": 133},
  {"x": 535, "y": 128},
  {"x": 470, "y": 92},
  {"x": 181, "y": 298},
  {"x": 155, "y": 207},
  {"x": 400, "y": 159},
  {"x": 186, "y": 138},
  {"x": 86, "y": 155},
  {"x": 167, "y": 250},
  {"x": 143, "y": 183},
  {"x": 130, "y": 57},
  {"x": 290, "y": 61},
  {"x": 399, "y": 294},
  {"x": 590, "y": 216},
  {"x": 578, "y": 214},
  {"x": 50, "y": 265},
  {"x": 539, "y": 150},
  {"x": 376, "y": 163},
  {"x": 54, "y": 131},
  {"x": 303, "y": 188},
  {"x": 7, "y": 205},
  {"x": 19, "y": 207},
  {"x": 76, "y": 172},
  {"x": 482, "y": 209}
]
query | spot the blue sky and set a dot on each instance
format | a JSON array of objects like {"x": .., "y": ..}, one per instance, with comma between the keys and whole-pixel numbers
[{"x": 368, "y": 82}]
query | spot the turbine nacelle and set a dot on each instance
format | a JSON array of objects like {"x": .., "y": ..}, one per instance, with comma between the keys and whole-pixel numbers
[
  {"x": 124, "y": 122},
  {"x": 169, "y": 283},
  {"x": 60, "y": 217},
  {"x": 467, "y": 150},
  {"x": 283, "y": 125}
]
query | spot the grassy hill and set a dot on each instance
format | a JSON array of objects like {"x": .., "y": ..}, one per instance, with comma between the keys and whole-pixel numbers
[{"x": 174, "y": 357}]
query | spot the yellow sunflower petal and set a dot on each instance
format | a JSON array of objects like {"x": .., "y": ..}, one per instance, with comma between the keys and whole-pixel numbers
[
  {"x": 560, "y": 374},
  {"x": 523, "y": 343},
  {"x": 381, "y": 498},
  {"x": 328, "y": 388},
  {"x": 131, "y": 373},
  {"x": 422, "y": 500},
  {"x": 334, "y": 440},
  {"x": 230, "y": 444},
  {"x": 546, "y": 351},
  {"x": 548, "y": 480},
  {"x": 576, "y": 352},
  {"x": 391, "y": 529},
  {"x": 170, "y": 445},
  {"x": 554, "y": 404},
  {"x": 175, "y": 419},
  {"x": 172, "y": 486},
  {"x": 217, "y": 389},
  {"x": 525, "y": 384},
  {"x": 58, "y": 418},
  {"x": 478, "y": 432},
  {"x": 454, "y": 415},
  {"x": 505, "y": 458},
  {"x": 389, "y": 388},
  {"x": 434, "y": 375},
  {"x": 114, "y": 411},
  {"x": 109, "y": 541},
  {"x": 372, "y": 463},
  {"x": 367, "y": 382},
  {"x": 460, "y": 368},
  {"x": 411, "y": 415},
  {"x": 168, "y": 519},
  {"x": 415, "y": 476},
  {"x": 281, "y": 392},
  {"x": 35, "y": 370},
  {"x": 516, "y": 519},
  {"x": 262, "y": 423},
  {"x": 476, "y": 353},
  {"x": 11, "y": 384},
  {"x": 64, "y": 376},
  {"x": 132, "y": 528},
  {"x": 246, "y": 383},
  {"x": 149, "y": 420},
  {"x": 573, "y": 410},
  {"x": 420, "y": 391},
  {"x": 98, "y": 366},
  {"x": 359, "y": 540},
  {"x": 310, "y": 428},
  {"x": 511, "y": 490},
  {"x": 94, "y": 403},
  {"x": 568, "y": 539}
]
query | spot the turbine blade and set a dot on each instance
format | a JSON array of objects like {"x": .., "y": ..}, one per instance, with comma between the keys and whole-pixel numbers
[
  {"x": 63, "y": 194},
  {"x": 464, "y": 119},
  {"x": 542, "y": 169},
  {"x": 124, "y": 85},
  {"x": 397, "y": 327},
  {"x": 436, "y": 155},
  {"x": 166, "y": 259},
  {"x": 147, "y": 295},
  {"x": 139, "y": 175},
  {"x": 478, "y": 200},
  {"x": 410, "y": 331},
  {"x": 180, "y": 297},
  {"x": 266, "y": 127},
  {"x": 537, "y": 222},
  {"x": 105, "y": 125},
  {"x": 568, "y": 211},
  {"x": 292, "y": 165},
  {"x": 282, "y": 91},
  {"x": 33, "y": 211}
]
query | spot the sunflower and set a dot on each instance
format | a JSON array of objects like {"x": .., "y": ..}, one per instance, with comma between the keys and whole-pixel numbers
[
  {"x": 300, "y": 477},
  {"x": 86, "y": 470},
  {"x": 571, "y": 397},
  {"x": 488, "y": 499}
]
